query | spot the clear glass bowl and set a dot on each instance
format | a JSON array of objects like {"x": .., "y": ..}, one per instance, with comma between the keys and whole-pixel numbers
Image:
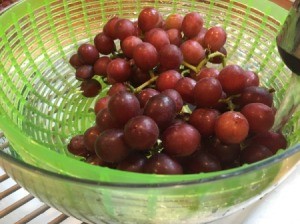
[{"x": 41, "y": 108}]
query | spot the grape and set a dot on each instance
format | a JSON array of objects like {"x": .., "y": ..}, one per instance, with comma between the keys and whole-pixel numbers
[
  {"x": 88, "y": 54},
  {"x": 109, "y": 28},
  {"x": 202, "y": 162},
  {"x": 192, "y": 52},
  {"x": 260, "y": 117},
  {"x": 173, "y": 21},
  {"x": 138, "y": 32},
  {"x": 207, "y": 72},
  {"x": 161, "y": 109},
  {"x": 100, "y": 66},
  {"x": 176, "y": 97},
  {"x": 162, "y": 164},
  {"x": 95, "y": 160},
  {"x": 128, "y": 45},
  {"x": 141, "y": 133},
  {"x": 180, "y": 140},
  {"x": 101, "y": 103},
  {"x": 89, "y": 138},
  {"x": 122, "y": 106},
  {"x": 254, "y": 153},
  {"x": 175, "y": 37},
  {"x": 118, "y": 70},
  {"x": 133, "y": 163},
  {"x": 256, "y": 94},
  {"x": 200, "y": 36},
  {"x": 167, "y": 80},
  {"x": 110, "y": 146},
  {"x": 145, "y": 56},
  {"x": 149, "y": 18},
  {"x": 192, "y": 24},
  {"x": 104, "y": 121},
  {"x": 84, "y": 72},
  {"x": 231, "y": 127},
  {"x": 170, "y": 57},
  {"x": 221, "y": 105},
  {"x": 115, "y": 88},
  {"x": 145, "y": 95},
  {"x": 124, "y": 28},
  {"x": 252, "y": 78},
  {"x": 272, "y": 140},
  {"x": 219, "y": 59},
  {"x": 207, "y": 92},
  {"x": 215, "y": 38},
  {"x": 75, "y": 61},
  {"x": 77, "y": 147},
  {"x": 232, "y": 79},
  {"x": 157, "y": 37},
  {"x": 185, "y": 87},
  {"x": 90, "y": 88},
  {"x": 226, "y": 153},
  {"x": 139, "y": 77},
  {"x": 104, "y": 44},
  {"x": 204, "y": 119}
]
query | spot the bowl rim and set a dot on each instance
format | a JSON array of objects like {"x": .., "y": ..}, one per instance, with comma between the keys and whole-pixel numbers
[{"x": 245, "y": 169}]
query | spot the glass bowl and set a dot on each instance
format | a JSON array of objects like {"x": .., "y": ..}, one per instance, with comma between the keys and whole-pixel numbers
[{"x": 41, "y": 109}]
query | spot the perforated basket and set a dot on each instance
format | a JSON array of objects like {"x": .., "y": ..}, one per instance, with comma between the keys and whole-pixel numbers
[{"x": 41, "y": 108}]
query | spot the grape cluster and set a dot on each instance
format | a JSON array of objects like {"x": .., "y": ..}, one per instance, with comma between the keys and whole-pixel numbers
[{"x": 173, "y": 105}]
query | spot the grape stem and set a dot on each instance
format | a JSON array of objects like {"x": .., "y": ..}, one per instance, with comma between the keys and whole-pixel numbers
[
  {"x": 229, "y": 102},
  {"x": 141, "y": 87},
  {"x": 189, "y": 66}
]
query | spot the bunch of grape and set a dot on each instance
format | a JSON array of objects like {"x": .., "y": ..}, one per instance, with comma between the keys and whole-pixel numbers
[{"x": 173, "y": 105}]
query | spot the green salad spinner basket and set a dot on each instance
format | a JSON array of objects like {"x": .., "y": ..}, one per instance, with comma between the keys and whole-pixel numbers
[{"x": 41, "y": 108}]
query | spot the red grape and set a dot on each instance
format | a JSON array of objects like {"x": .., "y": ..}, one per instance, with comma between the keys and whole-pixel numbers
[
  {"x": 254, "y": 153},
  {"x": 260, "y": 117},
  {"x": 207, "y": 72},
  {"x": 90, "y": 88},
  {"x": 149, "y": 18},
  {"x": 176, "y": 97},
  {"x": 157, "y": 37},
  {"x": 88, "y": 53},
  {"x": 100, "y": 66},
  {"x": 128, "y": 45},
  {"x": 124, "y": 28},
  {"x": 145, "y": 95},
  {"x": 75, "y": 61},
  {"x": 256, "y": 94},
  {"x": 101, "y": 103},
  {"x": 207, "y": 92},
  {"x": 111, "y": 147},
  {"x": 252, "y": 78},
  {"x": 161, "y": 109},
  {"x": 104, "y": 44},
  {"x": 118, "y": 70},
  {"x": 162, "y": 164},
  {"x": 180, "y": 140},
  {"x": 104, "y": 121},
  {"x": 231, "y": 127},
  {"x": 109, "y": 28},
  {"x": 272, "y": 140},
  {"x": 170, "y": 57},
  {"x": 192, "y": 24},
  {"x": 77, "y": 147},
  {"x": 192, "y": 52},
  {"x": 173, "y": 21},
  {"x": 232, "y": 79},
  {"x": 215, "y": 38},
  {"x": 175, "y": 37},
  {"x": 145, "y": 56},
  {"x": 204, "y": 119},
  {"x": 89, "y": 138},
  {"x": 122, "y": 106},
  {"x": 141, "y": 133},
  {"x": 167, "y": 80},
  {"x": 200, "y": 36},
  {"x": 84, "y": 72},
  {"x": 202, "y": 162},
  {"x": 185, "y": 87},
  {"x": 133, "y": 163},
  {"x": 115, "y": 88}
]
